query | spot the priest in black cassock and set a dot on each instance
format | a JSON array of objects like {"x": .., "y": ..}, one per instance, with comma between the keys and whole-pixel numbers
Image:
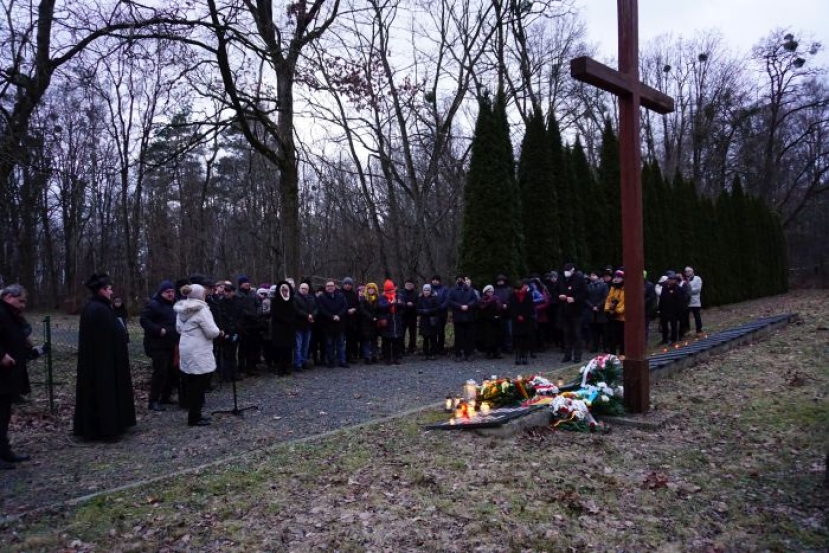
[{"x": 104, "y": 402}]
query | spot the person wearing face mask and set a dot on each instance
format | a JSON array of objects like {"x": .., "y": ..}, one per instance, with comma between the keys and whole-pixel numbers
[
  {"x": 614, "y": 308},
  {"x": 597, "y": 292},
  {"x": 572, "y": 292}
]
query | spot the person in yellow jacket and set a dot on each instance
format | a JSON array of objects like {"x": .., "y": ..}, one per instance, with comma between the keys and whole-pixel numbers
[{"x": 614, "y": 308}]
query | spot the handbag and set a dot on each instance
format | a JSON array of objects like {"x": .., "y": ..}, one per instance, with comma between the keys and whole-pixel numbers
[{"x": 382, "y": 323}]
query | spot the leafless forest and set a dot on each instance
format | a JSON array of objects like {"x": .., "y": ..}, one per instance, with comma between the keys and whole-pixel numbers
[{"x": 331, "y": 137}]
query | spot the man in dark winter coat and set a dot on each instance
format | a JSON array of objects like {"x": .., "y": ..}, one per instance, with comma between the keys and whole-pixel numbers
[
  {"x": 104, "y": 401},
  {"x": 409, "y": 297},
  {"x": 250, "y": 326},
  {"x": 333, "y": 309},
  {"x": 572, "y": 292},
  {"x": 597, "y": 320},
  {"x": 442, "y": 294},
  {"x": 160, "y": 340},
  {"x": 352, "y": 320},
  {"x": 230, "y": 316},
  {"x": 15, "y": 350},
  {"x": 463, "y": 302},
  {"x": 672, "y": 303},
  {"x": 503, "y": 291}
]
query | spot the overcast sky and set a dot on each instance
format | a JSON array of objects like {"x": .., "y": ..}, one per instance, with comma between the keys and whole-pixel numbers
[{"x": 742, "y": 22}]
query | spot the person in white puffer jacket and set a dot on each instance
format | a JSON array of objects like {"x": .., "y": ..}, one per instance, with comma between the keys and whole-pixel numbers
[
  {"x": 695, "y": 304},
  {"x": 195, "y": 324}
]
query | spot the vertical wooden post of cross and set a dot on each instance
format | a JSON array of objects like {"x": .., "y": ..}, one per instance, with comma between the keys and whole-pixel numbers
[{"x": 632, "y": 94}]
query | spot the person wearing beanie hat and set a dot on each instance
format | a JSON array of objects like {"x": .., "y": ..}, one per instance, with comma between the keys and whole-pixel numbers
[
  {"x": 158, "y": 319},
  {"x": 195, "y": 324},
  {"x": 391, "y": 331},
  {"x": 489, "y": 322},
  {"x": 104, "y": 400},
  {"x": 572, "y": 291},
  {"x": 352, "y": 320},
  {"x": 428, "y": 311},
  {"x": 614, "y": 308},
  {"x": 250, "y": 326},
  {"x": 442, "y": 294},
  {"x": 464, "y": 304}
]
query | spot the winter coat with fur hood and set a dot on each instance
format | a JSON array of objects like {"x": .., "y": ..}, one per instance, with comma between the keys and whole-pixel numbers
[{"x": 194, "y": 322}]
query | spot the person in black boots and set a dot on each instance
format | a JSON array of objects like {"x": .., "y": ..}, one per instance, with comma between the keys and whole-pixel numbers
[
  {"x": 160, "y": 340},
  {"x": 15, "y": 351},
  {"x": 572, "y": 291},
  {"x": 195, "y": 324}
]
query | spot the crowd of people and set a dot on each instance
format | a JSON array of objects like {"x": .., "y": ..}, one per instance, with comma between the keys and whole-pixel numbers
[{"x": 195, "y": 328}]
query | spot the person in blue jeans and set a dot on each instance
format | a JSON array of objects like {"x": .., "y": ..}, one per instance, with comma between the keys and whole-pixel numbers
[{"x": 306, "y": 308}]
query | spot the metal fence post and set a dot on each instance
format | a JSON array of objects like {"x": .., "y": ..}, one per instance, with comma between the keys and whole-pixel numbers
[{"x": 50, "y": 383}]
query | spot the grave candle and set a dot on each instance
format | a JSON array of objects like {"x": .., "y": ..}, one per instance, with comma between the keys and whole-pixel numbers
[
  {"x": 560, "y": 382},
  {"x": 485, "y": 408},
  {"x": 470, "y": 390},
  {"x": 448, "y": 405}
]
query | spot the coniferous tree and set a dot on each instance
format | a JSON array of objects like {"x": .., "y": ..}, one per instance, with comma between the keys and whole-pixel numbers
[
  {"x": 539, "y": 214},
  {"x": 610, "y": 246},
  {"x": 491, "y": 238},
  {"x": 594, "y": 207},
  {"x": 559, "y": 197},
  {"x": 578, "y": 250}
]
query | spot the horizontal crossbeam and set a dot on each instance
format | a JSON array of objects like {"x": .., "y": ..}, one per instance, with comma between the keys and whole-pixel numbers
[{"x": 599, "y": 75}]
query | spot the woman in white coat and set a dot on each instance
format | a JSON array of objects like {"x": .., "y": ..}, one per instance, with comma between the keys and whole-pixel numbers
[{"x": 195, "y": 324}]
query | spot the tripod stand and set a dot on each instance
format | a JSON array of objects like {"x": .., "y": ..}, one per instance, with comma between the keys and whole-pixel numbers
[{"x": 236, "y": 410}]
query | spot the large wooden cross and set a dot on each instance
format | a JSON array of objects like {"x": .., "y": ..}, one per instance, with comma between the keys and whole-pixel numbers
[{"x": 632, "y": 93}]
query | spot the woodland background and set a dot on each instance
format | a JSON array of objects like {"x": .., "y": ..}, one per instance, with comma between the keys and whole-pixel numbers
[{"x": 334, "y": 137}]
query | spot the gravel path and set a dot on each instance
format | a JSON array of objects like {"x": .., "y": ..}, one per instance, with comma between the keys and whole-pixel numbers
[{"x": 307, "y": 404}]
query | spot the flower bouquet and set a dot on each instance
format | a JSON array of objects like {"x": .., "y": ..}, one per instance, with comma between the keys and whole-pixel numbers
[{"x": 506, "y": 392}]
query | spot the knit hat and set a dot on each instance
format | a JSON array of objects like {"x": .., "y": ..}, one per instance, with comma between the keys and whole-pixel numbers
[
  {"x": 348, "y": 280},
  {"x": 619, "y": 274},
  {"x": 263, "y": 291},
  {"x": 489, "y": 288},
  {"x": 165, "y": 285},
  {"x": 569, "y": 266},
  {"x": 197, "y": 292},
  {"x": 427, "y": 287},
  {"x": 388, "y": 286},
  {"x": 242, "y": 279}
]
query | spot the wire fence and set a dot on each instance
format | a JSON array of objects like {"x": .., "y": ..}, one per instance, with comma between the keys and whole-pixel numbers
[{"x": 52, "y": 376}]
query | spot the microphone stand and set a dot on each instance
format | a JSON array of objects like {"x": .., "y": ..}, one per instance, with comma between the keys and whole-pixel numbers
[{"x": 236, "y": 410}]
